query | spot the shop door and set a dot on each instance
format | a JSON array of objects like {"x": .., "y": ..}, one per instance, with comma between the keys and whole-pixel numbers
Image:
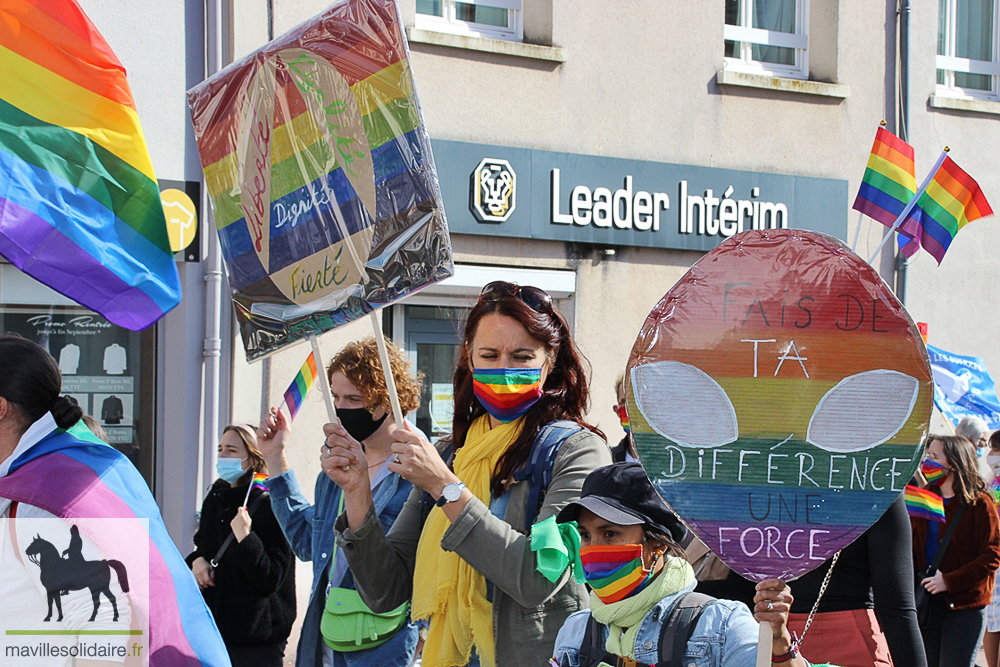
[{"x": 432, "y": 335}]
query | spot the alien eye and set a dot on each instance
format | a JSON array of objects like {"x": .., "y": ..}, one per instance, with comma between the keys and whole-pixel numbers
[
  {"x": 863, "y": 410},
  {"x": 684, "y": 404}
]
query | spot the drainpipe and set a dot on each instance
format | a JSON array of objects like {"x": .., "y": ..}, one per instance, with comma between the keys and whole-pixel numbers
[
  {"x": 904, "y": 120},
  {"x": 218, "y": 53}
]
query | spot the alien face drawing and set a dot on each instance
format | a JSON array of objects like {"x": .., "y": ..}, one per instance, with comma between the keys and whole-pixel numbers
[{"x": 778, "y": 396}]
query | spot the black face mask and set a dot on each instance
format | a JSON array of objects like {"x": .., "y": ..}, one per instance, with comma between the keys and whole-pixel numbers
[{"x": 359, "y": 423}]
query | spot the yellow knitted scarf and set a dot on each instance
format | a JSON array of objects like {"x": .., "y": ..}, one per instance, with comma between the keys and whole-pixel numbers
[
  {"x": 446, "y": 589},
  {"x": 624, "y": 617}
]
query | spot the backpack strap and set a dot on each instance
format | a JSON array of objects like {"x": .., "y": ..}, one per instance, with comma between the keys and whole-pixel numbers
[
  {"x": 677, "y": 628},
  {"x": 538, "y": 469}
]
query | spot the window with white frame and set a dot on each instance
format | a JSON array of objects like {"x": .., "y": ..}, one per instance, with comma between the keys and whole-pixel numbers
[
  {"x": 496, "y": 19},
  {"x": 967, "y": 53},
  {"x": 768, "y": 37}
]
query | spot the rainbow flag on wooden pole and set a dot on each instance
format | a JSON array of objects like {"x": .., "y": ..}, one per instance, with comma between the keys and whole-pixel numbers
[{"x": 79, "y": 204}]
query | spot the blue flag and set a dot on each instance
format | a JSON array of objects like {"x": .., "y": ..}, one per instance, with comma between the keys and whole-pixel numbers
[{"x": 963, "y": 387}]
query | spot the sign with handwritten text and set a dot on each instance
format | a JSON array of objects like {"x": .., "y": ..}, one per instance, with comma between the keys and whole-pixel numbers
[
  {"x": 778, "y": 396},
  {"x": 321, "y": 177}
]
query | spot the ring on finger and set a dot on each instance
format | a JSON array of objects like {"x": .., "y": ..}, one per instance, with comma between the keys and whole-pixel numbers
[
  {"x": 770, "y": 607},
  {"x": 395, "y": 459}
]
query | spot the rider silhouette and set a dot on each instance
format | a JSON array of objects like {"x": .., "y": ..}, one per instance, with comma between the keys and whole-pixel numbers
[{"x": 74, "y": 552}]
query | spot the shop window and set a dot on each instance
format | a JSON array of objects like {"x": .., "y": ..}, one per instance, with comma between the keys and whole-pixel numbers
[
  {"x": 967, "y": 62},
  {"x": 495, "y": 19},
  {"x": 767, "y": 37}
]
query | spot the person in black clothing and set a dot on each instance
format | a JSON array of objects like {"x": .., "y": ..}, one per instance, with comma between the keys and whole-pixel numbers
[
  {"x": 624, "y": 450},
  {"x": 867, "y": 612},
  {"x": 251, "y": 591}
]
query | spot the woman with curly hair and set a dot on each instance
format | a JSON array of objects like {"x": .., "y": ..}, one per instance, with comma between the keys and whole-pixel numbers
[
  {"x": 521, "y": 388},
  {"x": 362, "y": 403}
]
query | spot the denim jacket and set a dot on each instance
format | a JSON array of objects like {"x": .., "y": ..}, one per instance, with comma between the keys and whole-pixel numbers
[
  {"x": 724, "y": 636},
  {"x": 309, "y": 529}
]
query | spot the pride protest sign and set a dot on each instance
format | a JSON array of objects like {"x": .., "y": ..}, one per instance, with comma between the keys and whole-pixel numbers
[
  {"x": 321, "y": 177},
  {"x": 778, "y": 395}
]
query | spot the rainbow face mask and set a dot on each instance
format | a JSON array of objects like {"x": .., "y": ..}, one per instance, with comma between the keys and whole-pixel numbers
[
  {"x": 614, "y": 571},
  {"x": 933, "y": 471},
  {"x": 623, "y": 416},
  {"x": 507, "y": 393}
]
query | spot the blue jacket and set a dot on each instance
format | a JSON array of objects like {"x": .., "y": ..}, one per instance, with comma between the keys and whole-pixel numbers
[
  {"x": 309, "y": 529},
  {"x": 725, "y": 635}
]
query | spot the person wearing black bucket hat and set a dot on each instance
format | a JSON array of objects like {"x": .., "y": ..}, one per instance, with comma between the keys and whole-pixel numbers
[{"x": 642, "y": 609}]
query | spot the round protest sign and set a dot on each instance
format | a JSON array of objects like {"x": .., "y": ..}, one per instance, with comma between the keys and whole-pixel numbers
[{"x": 778, "y": 396}]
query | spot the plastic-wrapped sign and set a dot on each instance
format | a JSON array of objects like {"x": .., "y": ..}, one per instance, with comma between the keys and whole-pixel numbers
[
  {"x": 321, "y": 177},
  {"x": 778, "y": 396}
]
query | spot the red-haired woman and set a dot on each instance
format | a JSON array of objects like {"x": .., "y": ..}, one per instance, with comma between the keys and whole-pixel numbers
[
  {"x": 468, "y": 563},
  {"x": 963, "y": 583}
]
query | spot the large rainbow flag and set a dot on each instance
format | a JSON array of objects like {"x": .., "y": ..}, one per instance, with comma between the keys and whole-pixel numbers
[
  {"x": 924, "y": 503},
  {"x": 79, "y": 204},
  {"x": 951, "y": 200},
  {"x": 889, "y": 181},
  {"x": 77, "y": 477},
  {"x": 319, "y": 170}
]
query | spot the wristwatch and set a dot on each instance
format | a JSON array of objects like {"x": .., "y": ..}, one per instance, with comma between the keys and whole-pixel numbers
[{"x": 450, "y": 493}]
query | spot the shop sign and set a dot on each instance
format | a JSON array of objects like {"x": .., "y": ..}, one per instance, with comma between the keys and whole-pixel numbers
[{"x": 613, "y": 201}]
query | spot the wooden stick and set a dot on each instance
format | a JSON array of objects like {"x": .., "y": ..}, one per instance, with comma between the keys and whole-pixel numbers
[{"x": 390, "y": 381}]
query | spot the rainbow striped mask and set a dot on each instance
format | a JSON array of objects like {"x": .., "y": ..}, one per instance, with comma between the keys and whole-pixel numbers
[
  {"x": 614, "y": 571},
  {"x": 623, "y": 416},
  {"x": 507, "y": 393},
  {"x": 933, "y": 471}
]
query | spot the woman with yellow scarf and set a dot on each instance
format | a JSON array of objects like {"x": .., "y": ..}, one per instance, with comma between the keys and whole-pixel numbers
[{"x": 468, "y": 564}]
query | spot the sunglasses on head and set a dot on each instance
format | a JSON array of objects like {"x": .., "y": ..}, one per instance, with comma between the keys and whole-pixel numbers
[{"x": 533, "y": 297}]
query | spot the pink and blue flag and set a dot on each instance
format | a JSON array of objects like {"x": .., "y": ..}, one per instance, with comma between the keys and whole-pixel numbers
[
  {"x": 79, "y": 204},
  {"x": 94, "y": 481}
]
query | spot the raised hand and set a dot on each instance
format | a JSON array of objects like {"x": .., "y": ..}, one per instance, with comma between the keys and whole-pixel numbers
[{"x": 271, "y": 438}]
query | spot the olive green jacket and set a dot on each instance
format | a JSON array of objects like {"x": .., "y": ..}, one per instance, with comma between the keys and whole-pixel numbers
[{"x": 528, "y": 609}]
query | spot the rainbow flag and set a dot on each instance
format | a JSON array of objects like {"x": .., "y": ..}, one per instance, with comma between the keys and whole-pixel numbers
[
  {"x": 257, "y": 482},
  {"x": 924, "y": 503},
  {"x": 79, "y": 205},
  {"x": 951, "y": 200},
  {"x": 889, "y": 181},
  {"x": 303, "y": 382},
  {"x": 97, "y": 483}
]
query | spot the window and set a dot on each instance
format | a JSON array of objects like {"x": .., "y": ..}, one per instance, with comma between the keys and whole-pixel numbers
[
  {"x": 967, "y": 63},
  {"x": 496, "y": 19},
  {"x": 767, "y": 37}
]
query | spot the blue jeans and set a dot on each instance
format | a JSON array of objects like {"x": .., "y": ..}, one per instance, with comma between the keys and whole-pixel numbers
[{"x": 951, "y": 636}]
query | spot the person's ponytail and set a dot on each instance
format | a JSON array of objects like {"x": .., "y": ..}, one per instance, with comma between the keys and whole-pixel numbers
[{"x": 66, "y": 411}]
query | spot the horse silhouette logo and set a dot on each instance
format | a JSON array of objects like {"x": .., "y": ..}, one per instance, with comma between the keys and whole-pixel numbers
[{"x": 70, "y": 572}]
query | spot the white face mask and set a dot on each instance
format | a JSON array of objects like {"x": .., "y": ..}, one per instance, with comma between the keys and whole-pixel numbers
[
  {"x": 994, "y": 462},
  {"x": 230, "y": 469}
]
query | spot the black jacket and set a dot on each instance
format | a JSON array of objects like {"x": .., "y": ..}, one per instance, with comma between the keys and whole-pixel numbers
[{"x": 253, "y": 599}]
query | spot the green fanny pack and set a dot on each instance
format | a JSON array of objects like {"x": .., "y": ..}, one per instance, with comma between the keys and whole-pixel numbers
[{"x": 349, "y": 625}]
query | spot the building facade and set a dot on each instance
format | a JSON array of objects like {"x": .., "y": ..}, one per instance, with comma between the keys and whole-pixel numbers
[{"x": 595, "y": 150}]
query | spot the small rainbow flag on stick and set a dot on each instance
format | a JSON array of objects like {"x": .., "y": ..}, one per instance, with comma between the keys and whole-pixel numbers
[
  {"x": 924, "y": 504},
  {"x": 80, "y": 207},
  {"x": 950, "y": 201},
  {"x": 256, "y": 482},
  {"x": 301, "y": 385},
  {"x": 889, "y": 181}
]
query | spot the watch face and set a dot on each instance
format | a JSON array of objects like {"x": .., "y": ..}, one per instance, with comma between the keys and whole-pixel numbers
[{"x": 452, "y": 492}]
